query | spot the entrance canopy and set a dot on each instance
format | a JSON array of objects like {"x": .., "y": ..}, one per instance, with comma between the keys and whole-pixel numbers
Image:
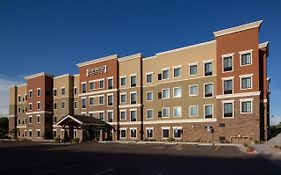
[{"x": 81, "y": 121}]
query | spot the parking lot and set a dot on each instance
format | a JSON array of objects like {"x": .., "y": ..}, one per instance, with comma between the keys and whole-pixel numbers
[{"x": 159, "y": 159}]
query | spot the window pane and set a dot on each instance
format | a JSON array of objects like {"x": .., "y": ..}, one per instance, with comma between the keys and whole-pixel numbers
[
  {"x": 149, "y": 96},
  {"x": 133, "y": 115},
  {"x": 133, "y": 98},
  {"x": 193, "y": 111},
  {"x": 123, "y": 98},
  {"x": 149, "y": 114},
  {"x": 208, "y": 69},
  {"x": 193, "y": 70},
  {"x": 133, "y": 81},
  {"x": 110, "y": 83},
  {"x": 177, "y": 133},
  {"x": 165, "y": 133},
  {"x": 228, "y": 110},
  {"x": 193, "y": 90},
  {"x": 177, "y": 112},
  {"x": 246, "y": 106},
  {"x": 165, "y": 74},
  {"x": 246, "y": 82},
  {"x": 165, "y": 93},
  {"x": 177, "y": 72},
  {"x": 227, "y": 86},
  {"x": 149, "y": 78},
  {"x": 123, "y": 81},
  {"x": 208, "y": 90},
  {"x": 246, "y": 59},
  {"x": 227, "y": 63},
  {"x": 209, "y": 111},
  {"x": 177, "y": 92}
]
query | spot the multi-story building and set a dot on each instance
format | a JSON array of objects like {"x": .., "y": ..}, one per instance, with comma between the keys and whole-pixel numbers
[{"x": 213, "y": 91}]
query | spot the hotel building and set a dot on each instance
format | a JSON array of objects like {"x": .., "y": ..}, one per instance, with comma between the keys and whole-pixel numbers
[{"x": 216, "y": 91}]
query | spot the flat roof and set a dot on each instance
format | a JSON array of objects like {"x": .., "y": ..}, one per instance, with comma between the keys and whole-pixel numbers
[
  {"x": 106, "y": 58},
  {"x": 38, "y": 75}
]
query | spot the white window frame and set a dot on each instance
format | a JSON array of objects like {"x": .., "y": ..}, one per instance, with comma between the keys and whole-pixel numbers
[
  {"x": 98, "y": 96},
  {"x": 40, "y": 92},
  {"x": 163, "y": 93},
  {"x": 149, "y": 73},
  {"x": 82, "y": 83},
  {"x": 164, "y": 69},
  {"x": 102, "y": 79},
  {"x": 189, "y": 111},
  {"x": 90, "y": 100},
  {"x": 246, "y": 100},
  {"x": 37, "y": 133},
  {"x": 123, "y": 129},
  {"x": 136, "y": 133},
  {"x": 225, "y": 56},
  {"x": 228, "y": 78},
  {"x": 179, "y": 87},
  {"x": 123, "y": 110},
  {"x": 206, "y": 62},
  {"x": 134, "y": 92},
  {"x": 193, "y": 64},
  {"x": 29, "y": 107},
  {"x": 123, "y": 76},
  {"x": 174, "y": 111},
  {"x": 94, "y": 83},
  {"x": 189, "y": 89},
  {"x": 76, "y": 104},
  {"x": 176, "y": 67},
  {"x": 38, "y": 102},
  {"x": 29, "y": 93},
  {"x": 246, "y": 52},
  {"x": 204, "y": 112},
  {"x": 246, "y": 76},
  {"x": 228, "y": 101},
  {"x": 178, "y": 128},
  {"x": 136, "y": 75},
  {"x": 64, "y": 104},
  {"x": 82, "y": 103},
  {"x": 123, "y": 93},
  {"x": 110, "y": 78},
  {"x": 55, "y": 105},
  {"x": 108, "y": 111},
  {"x": 149, "y": 128},
  {"x": 37, "y": 118},
  {"x": 135, "y": 109},
  {"x": 205, "y": 90},
  {"x": 110, "y": 94},
  {"x": 151, "y": 95},
  {"x": 168, "y": 108},
  {"x": 168, "y": 128},
  {"x": 152, "y": 114}
]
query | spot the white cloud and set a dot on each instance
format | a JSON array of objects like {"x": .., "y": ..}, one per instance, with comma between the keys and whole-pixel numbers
[{"x": 5, "y": 83}]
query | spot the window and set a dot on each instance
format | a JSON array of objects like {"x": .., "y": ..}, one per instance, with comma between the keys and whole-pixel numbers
[
  {"x": 165, "y": 132},
  {"x": 134, "y": 98},
  {"x": 55, "y": 105},
  {"x": 19, "y": 110},
  {"x": 54, "y": 92},
  {"x": 177, "y": 92},
  {"x": 165, "y": 74},
  {"x": 62, "y": 104},
  {"x": 83, "y": 103},
  {"x": 133, "y": 81},
  {"x": 75, "y": 91},
  {"x": 228, "y": 110},
  {"x": 246, "y": 82},
  {"x": 101, "y": 100},
  {"x": 62, "y": 91},
  {"x": 193, "y": 110},
  {"x": 177, "y": 132},
  {"x": 165, "y": 93},
  {"x": 109, "y": 116},
  {"x": 74, "y": 133},
  {"x": 246, "y": 107},
  {"x": 193, "y": 90},
  {"x": 149, "y": 96},
  {"x": 30, "y": 119},
  {"x": 149, "y": 78},
  {"x": 149, "y": 132},
  {"x": 30, "y": 94},
  {"x": 92, "y": 86},
  {"x": 54, "y": 133},
  {"x": 91, "y": 114},
  {"x": 75, "y": 105},
  {"x": 18, "y": 121},
  {"x": 19, "y": 98},
  {"x": 110, "y": 83},
  {"x": 208, "y": 90},
  {"x": 101, "y": 115},
  {"x": 123, "y": 98},
  {"x": 149, "y": 113},
  {"x": 227, "y": 64},
  {"x": 123, "y": 81},
  {"x": 133, "y": 132},
  {"x": 101, "y": 84},
  {"x": 246, "y": 59},
  {"x": 208, "y": 69},
  {"x": 193, "y": 69},
  {"x": 38, "y": 92},
  {"x": 91, "y": 99},
  {"x": 30, "y": 106},
  {"x": 177, "y": 72},
  {"x": 177, "y": 111},
  {"x": 84, "y": 87},
  {"x": 208, "y": 111},
  {"x": 54, "y": 119},
  {"x": 123, "y": 133},
  {"x": 38, "y": 118},
  {"x": 30, "y": 133},
  {"x": 110, "y": 100},
  {"x": 165, "y": 112},
  {"x": 133, "y": 115},
  {"x": 123, "y": 115},
  {"x": 38, "y": 105},
  {"x": 38, "y": 133},
  {"x": 227, "y": 84}
]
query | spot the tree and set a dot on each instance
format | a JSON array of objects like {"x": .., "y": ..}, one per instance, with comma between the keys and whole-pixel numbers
[{"x": 4, "y": 126}]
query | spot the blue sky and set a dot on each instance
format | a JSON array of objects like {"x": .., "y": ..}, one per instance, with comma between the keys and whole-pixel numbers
[{"x": 53, "y": 36}]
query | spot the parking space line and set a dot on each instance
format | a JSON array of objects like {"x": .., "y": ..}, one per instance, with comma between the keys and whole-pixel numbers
[
  {"x": 104, "y": 171},
  {"x": 57, "y": 169}
]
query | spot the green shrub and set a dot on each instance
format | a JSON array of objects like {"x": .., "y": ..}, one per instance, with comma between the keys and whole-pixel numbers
[
  {"x": 170, "y": 139},
  {"x": 76, "y": 140}
]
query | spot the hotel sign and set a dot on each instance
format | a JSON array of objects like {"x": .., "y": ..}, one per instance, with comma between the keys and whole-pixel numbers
[{"x": 96, "y": 71}]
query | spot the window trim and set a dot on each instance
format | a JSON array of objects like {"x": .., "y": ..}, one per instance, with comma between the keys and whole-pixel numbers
[
  {"x": 246, "y": 100},
  {"x": 189, "y": 90},
  {"x": 204, "y": 112},
  {"x": 133, "y": 92},
  {"x": 163, "y": 93},
  {"x": 64, "y": 104},
  {"x": 136, "y": 133},
  {"x": 165, "y": 128},
  {"x": 110, "y": 78},
  {"x": 176, "y": 67},
  {"x": 151, "y": 96},
  {"x": 164, "y": 69},
  {"x": 74, "y": 104},
  {"x": 232, "y": 58},
  {"x": 38, "y": 102},
  {"x": 174, "y": 92},
  {"x": 123, "y": 76},
  {"x": 151, "y": 109},
  {"x": 228, "y": 101},
  {"x": 189, "y": 110},
  {"x": 149, "y": 73},
  {"x": 82, "y": 83},
  {"x": 123, "y": 110},
  {"x": 94, "y": 83},
  {"x": 246, "y": 52},
  {"x": 174, "y": 111},
  {"x": 108, "y": 111},
  {"x": 178, "y": 128},
  {"x": 38, "y": 115},
  {"x": 206, "y": 62},
  {"x": 227, "y": 78},
  {"x": 149, "y": 128},
  {"x": 204, "y": 89},
  {"x": 246, "y": 76},
  {"x": 133, "y": 75},
  {"x": 61, "y": 88},
  {"x": 168, "y": 108},
  {"x": 82, "y": 103},
  {"x": 123, "y": 129},
  {"x": 136, "y": 110},
  {"x": 90, "y": 100},
  {"x": 123, "y": 93},
  {"x": 39, "y": 90},
  {"x": 193, "y": 64},
  {"x": 110, "y": 94}
]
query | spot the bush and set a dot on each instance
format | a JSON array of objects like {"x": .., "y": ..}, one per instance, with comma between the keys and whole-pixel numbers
[
  {"x": 57, "y": 139},
  {"x": 170, "y": 139},
  {"x": 76, "y": 140}
]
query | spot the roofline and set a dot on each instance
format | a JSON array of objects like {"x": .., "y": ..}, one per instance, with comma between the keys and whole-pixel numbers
[
  {"x": 60, "y": 76},
  {"x": 38, "y": 75},
  {"x": 21, "y": 85},
  {"x": 149, "y": 58},
  {"x": 238, "y": 28},
  {"x": 263, "y": 45},
  {"x": 76, "y": 75},
  {"x": 130, "y": 57},
  {"x": 106, "y": 58},
  {"x": 186, "y": 47},
  {"x": 69, "y": 116}
]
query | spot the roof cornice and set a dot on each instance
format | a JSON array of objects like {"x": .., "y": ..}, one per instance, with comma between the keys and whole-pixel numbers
[
  {"x": 130, "y": 57},
  {"x": 110, "y": 57},
  {"x": 38, "y": 75}
]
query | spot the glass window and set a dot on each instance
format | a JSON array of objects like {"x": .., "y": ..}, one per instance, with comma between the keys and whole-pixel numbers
[
  {"x": 38, "y": 118},
  {"x": 110, "y": 116},
  {"x": 165, "y": 133},
  {"x": 123, "y": 133},
  {"x": 30, "y": 94},
  {"x": 63, "y": 104},
  {"x": 110, "y": 100},
  {"x": 177, "y": 92},
  {"x": 177, "y": 132},
  {"x": 165, "y": 93},
  {"x": 193, "y": 90},
  {"x": 246, "y": 83},
  {"x": 133, "y": 133},
  {"x": 30, "y": 119},
  {"x": 55, "y": 92},
  {"x": 165, "y": 112},
  {"x": 38, "y": 92},
  {"x": 149, "y": 114},
  {"x": 101, "y": 116},
  {"x": 75, "y": 104},
  {"x": 84, "y": 88},
  {"x": 62, "y": 91},
  {"x": 133, "y": 81},
  {"x": 149, "y": 96},
  {"x": 246, "y": 59},
  {"x": 149, "y": 133},
  {"x": 193, "y": 70},
  {"x": 38, "y": 105},
  {"x": 30, "y": 107},
  {"x": 123, "y": 81},
  {"x": 208, "y": 90},
  {"x": 227, "y": 63},
  {"x": 165, "y": 74},
  {"x": 177, "y": 72},
  {"x": 208, "y": 69},
  {"x": 83, "y": 102},
  {"x": 101, "y": 84},
  {"x": 123, "y": 115},
  {"x": 177, "y": 111},
  {"x": 91, "y": 101},
  {"x": 92, "y": 85},
  {"x": 227, "y": 86},
  {"x": 133, "y": 98},
  {"x": 123, "y": 98},
  {"x": 110, "y": 83},
  {"x": 19, "y": 98},
  {"x": 149, "y": 78},
  {"x": 228, "y": 109},
  {"x": 246, "y": 107},
  {"x": 75, "y": 91},
  {"x": 101, "y": 100},
  {"x": 208, "y": 111},
  {"x": 193, "y": 110},
  {"x": 133, "y": 116}
]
